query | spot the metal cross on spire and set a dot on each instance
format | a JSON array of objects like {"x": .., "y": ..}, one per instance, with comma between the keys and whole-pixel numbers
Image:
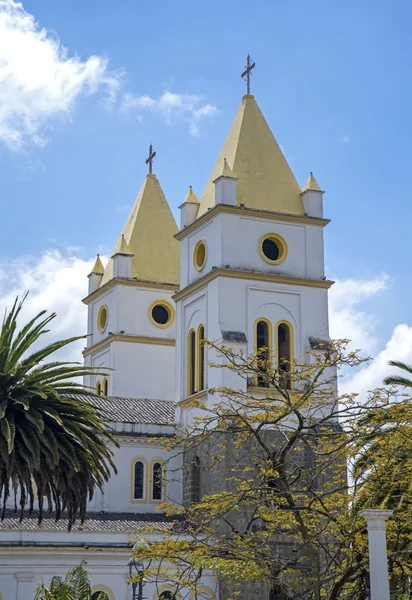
[
  {"x": 149, "y": 159},
  {"x": 247, "y": 73}
]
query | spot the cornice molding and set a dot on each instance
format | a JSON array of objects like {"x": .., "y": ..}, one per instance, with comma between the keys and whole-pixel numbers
[
  {"x": 252, "y": 276},
  {"x": 136, "y": 283},
  {"x": 250, "y": 212},
  {"x": 120, "y": 337}
]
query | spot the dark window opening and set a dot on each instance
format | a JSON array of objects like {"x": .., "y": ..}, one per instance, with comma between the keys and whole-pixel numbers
[
  {"x": 263, "y": 352},
  {"x": 167, "y": 596},
  {"x": 192, "y": 363},
  {"x": 160, "y": 314},
  {"x": 99, "y": 596},
  {"x": 157, "y": 481},
  {"x": 284, "y": 355},
  {"x": 270, "y": 249},
  {"x": 105, "y": 387},
  {"x": 138, "y": 491},
  {"x": 201, "y": 358}
]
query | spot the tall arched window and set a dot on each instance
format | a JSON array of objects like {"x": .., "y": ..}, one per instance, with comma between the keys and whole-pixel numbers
[
  {"x": 191, "y": 363},
  {"x": 157, "y": 481},
  {"x": 285, "y": 354},
  {"x": 98, "y": 388},
  {"x": 195, "y": 480},
  {"x": 105, "y": 388},
  {"x": 138, "y": 480},
  {"x": 200, "y": 358},
  {"x": 263, "y": 348}
]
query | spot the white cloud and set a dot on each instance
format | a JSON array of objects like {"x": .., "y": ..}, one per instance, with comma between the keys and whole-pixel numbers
[
  {"x": 172, "y": 107},
  {"x": 39, "y": 80},
  {"x": 57, "y": 282},
  {"x": 347, "y": 319}
]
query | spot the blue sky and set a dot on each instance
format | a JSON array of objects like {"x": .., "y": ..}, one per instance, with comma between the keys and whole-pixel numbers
[{"x": 333, "y": 80}]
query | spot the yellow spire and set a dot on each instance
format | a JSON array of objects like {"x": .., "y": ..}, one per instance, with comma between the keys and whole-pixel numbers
[
  {"x": 191, "y": 197},
  {"x": 98, "y": 266},
  {"x": 225, "y": 170},
  {"x": 148, "y": 235},
  {"x": 311, "y": 184},
  {"x": 265, "y": 179}
]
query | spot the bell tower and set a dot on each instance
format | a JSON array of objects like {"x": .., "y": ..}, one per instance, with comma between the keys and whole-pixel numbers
[
  {"x": 252, "y": 260},
  {"x": 131, "y": 313}
]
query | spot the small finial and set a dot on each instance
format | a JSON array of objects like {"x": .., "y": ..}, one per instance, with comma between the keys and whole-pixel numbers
[
  {"x": 248, "y": 72},
  {"x": 149, "y": 159}
]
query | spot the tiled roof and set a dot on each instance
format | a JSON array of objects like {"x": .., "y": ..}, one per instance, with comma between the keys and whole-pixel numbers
[
  {"x": 95, "y": 522},
  {"x": 133, "y": 410}
]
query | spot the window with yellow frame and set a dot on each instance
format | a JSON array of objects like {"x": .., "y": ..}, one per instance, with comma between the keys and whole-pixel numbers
[
  {"x": 200, "y": 375},
  {"x": 157, "y": 480},
  {"x": 191, "y": 362},
  {"x": 138, "y": 480},
  {"x": 263, "y": 348},
  {"x": 285, "y": 353}
]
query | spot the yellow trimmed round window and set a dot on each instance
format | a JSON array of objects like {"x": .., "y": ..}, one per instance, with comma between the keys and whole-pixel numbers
[
  {"x": 161, "y": 313},
  {"x": 102, "y": 318},
  {"x": 199, "y": 255},
  {"x": 273, "y": 248}
]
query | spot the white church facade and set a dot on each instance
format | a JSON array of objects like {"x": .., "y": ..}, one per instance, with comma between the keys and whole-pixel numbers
[{"x": 246, "y": 267}]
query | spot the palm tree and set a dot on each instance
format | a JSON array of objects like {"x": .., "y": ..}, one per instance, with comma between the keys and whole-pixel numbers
[
  {"x": 399, "y": 379},
  {"x": 75, "y": 586},
  {"x": 50, "y": 441}
]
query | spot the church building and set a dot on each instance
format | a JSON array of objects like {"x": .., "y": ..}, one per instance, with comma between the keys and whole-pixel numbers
[{"x": 245, "y": 266}]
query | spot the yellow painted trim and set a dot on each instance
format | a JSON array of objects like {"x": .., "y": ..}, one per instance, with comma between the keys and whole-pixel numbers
[
  {"x": 170, "y": 310},
  {"x": 105, "y": 589},
  {"x": 198, "y": 355},
  {"x": 280, "y": 242},
  {"x": 196, "y": 396},
  {"x": 144, "y": 500},
  {"x": 250, "y": 212},
  {"x": 165, "y": 588},
  {"x": 98, "y": 387},
  {"x": 196, "y": 262},
  {"x": 189, "y": 364},
  {"x": 292, "y": 347},
  {"x": 252, "y": 276},
  {"x": 105, "y": 386},
  {"x": 103, "y": 309},
  {"x": 136, "y": 283},
  {"x": 139, "y": 339},
  {"x": 201, "y": 589},
  {"x": 150, "y": 480}
]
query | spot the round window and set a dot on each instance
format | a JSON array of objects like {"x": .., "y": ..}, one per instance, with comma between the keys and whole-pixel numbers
[
  {"x": 161, "y": 314},
  {"x": 199, "y": 255},
  {"x": 273, "y": 248},
  {"x": 102, "y": 318}
]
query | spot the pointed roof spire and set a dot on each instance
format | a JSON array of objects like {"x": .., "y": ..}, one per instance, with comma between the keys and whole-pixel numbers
[
  {"x": 265, "y": 180},
  {"x": 124, "y": 248},
  {"x": 225, "y": 170},
  {"x": 148, "y": 235},
  {"x": 98, "y": 268},
  {"x": 311, "y": 184},
  {"x": 191, "y": 197}
]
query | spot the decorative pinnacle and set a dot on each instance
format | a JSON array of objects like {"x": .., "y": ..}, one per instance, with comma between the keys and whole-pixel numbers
[
  {"x": 149, "y": 159},
  {"x": 248, "y": 72}
]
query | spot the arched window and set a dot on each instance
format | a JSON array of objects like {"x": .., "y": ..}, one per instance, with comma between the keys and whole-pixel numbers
[
  {"x": 99, "y": 596},
  {"x": 105, "y": 386},
  {"x": 138, "y": 480},
  {"x": 191, "y": 363},
  {"x": 157, "y": 481},
  {"x": 200, "y": 358},
  {"x": 167, "y": 596},
  {"x": 99, "y": 388},
  {"x": 195, "y": 480},
  {"x": 285, "y": 354},
  {"x": 263, "y": 349}
]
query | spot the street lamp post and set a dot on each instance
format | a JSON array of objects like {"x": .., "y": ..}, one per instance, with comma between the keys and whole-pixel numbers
[{"x": 137, "y": 586}]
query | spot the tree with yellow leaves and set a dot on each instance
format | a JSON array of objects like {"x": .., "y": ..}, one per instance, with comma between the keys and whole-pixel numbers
[{"x": 278, "y": 469}]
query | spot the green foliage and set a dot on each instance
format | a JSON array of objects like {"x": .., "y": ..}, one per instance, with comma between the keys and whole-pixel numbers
[
  {"x": 50, "y": 441},
  {"x": 75, "y": 586},
  {"x": 286, "y": 514}
]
